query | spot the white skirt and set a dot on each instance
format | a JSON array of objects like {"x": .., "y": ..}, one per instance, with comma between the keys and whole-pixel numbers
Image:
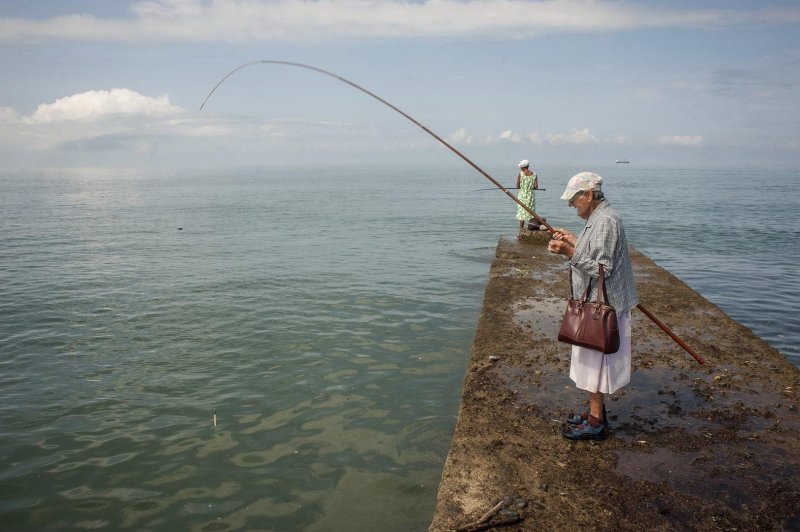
[{"x": 594, "y": 371}]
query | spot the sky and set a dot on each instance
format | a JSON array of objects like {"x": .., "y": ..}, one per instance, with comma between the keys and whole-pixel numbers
[{"x": 114, "y": 83}]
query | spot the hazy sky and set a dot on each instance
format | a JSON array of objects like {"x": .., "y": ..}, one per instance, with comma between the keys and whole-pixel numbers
[{"x": 120, "y": 83}]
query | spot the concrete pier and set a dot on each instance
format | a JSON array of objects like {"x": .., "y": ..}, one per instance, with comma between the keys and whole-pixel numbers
[{"x": 711, "y": 447}]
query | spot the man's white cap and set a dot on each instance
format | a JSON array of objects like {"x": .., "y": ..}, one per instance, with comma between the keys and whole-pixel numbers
[
  {"x": 582, "y": 182},
  {"x": 524, "y": 163}
]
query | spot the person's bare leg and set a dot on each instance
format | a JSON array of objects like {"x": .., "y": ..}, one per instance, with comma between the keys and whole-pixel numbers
[{"x": 596, "y": 401}]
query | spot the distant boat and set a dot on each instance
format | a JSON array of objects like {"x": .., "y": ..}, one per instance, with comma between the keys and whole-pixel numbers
[{"x": 623, "y": 161}]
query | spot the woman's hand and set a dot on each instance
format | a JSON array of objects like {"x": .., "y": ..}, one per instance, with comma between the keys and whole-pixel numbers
[
  {"x": 563, "y": 235},
  {"x": 560, "y": 247},
  {"x": 562, "y": 242}
]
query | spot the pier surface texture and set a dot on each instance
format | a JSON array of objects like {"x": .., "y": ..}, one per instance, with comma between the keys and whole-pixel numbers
[{"x": 690, "y": 447}]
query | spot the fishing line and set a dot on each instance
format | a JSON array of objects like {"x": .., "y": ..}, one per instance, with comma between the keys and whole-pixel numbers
[
  {"x": 451, "y": 148},
  {"x": 509, "y": 188}
]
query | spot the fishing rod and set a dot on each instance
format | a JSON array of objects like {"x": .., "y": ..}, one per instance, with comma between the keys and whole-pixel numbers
[
  {"x": 509, "y": 188},
  {"x": 480, "y": 170}
]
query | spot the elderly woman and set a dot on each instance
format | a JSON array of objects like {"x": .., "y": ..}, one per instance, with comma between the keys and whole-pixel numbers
[{"x": 602, "y": 241}]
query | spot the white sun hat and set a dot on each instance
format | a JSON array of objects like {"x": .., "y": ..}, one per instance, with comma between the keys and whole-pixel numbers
[
  {"x": 581, "y": 183},
  {"x": 524, "y": 163}
]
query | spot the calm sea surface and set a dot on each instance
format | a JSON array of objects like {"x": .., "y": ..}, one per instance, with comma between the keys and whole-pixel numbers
[{"x": 325, "y": 318}]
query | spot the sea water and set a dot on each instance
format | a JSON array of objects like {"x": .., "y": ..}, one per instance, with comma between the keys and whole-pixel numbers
[{"x": 283, "y": 348}]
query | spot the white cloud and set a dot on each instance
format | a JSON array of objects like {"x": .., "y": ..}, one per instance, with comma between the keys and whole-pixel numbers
[
  {"x": 8, "y": 115},
  {"x": 509, "y": 136},
  {"x": 94, "y": 105},
  {"x": 573, "y": 137},
  {"x": 576, "y": 136},
  {"x": 461, "y": 136},
  {"x": 681, "y": 140},
  {"x": 294, "y": 20},
  {"x": 100, "y": 118}
]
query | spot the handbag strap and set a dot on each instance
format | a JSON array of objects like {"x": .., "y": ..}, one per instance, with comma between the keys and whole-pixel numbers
[
  {"x": 585, "y": 295},
  {"x": 602, "y": 294}
]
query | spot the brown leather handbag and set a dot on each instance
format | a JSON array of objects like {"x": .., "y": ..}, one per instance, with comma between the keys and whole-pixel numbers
[{"x": 591, "y": 324}]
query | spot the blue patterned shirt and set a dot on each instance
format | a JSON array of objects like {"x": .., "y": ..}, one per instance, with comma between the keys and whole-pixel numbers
[{"x": 602, "y": 241}]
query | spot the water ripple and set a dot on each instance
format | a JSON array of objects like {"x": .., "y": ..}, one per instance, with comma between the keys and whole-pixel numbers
[{"x": 329, "y": 353}]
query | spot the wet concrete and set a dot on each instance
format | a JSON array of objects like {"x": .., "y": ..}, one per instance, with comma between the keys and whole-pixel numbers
[{"x": 711, "y": 447}]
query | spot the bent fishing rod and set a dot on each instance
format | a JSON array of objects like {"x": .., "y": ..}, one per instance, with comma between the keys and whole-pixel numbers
[{"x": 480, "y": 170}]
